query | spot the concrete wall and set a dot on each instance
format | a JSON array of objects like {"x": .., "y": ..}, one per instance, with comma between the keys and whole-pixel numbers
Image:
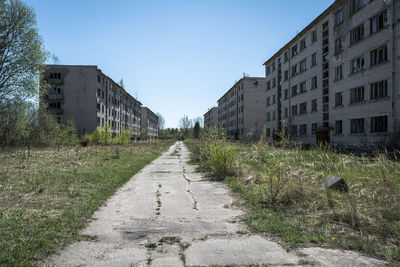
[{"x": 79, "y": 89}]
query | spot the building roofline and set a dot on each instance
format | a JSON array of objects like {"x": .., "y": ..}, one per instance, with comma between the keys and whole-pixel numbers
[
  {"x": 308, "y": 27},
  {"x": 210, "y": 109},
  {"x": 150, "y": 111},
  {"x": 97, "y": 68},
  {"x": 242, "y": 79}
]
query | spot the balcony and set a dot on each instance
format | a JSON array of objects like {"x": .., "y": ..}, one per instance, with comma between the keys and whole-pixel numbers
[
  {"x": 55, "y": 81},
  {"x": 57, "y": 96},
  {"x": 55, "y": 110}
]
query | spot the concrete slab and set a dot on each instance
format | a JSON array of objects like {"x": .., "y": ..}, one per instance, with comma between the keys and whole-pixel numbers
[{"x": 168, "y": 215}]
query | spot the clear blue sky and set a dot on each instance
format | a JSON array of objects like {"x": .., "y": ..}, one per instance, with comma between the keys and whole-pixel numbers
[{"x": 177, "y": 57}]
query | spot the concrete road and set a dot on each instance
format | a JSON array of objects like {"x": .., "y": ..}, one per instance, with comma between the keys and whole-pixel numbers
[{"x": 168, "y": 215}]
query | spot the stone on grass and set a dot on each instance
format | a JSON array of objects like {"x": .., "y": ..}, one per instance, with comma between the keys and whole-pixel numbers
[{"x": 335, "y": 182}]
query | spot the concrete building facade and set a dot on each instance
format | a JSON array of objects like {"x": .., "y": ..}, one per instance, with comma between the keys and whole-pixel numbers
[
  {"x": 89, "y": 98},
  {"x": 338, "y": 79},
  {"x": 241, "y": 109},
  {"x": 149, "y": 124},
  {"x": 211, "y": 118}
]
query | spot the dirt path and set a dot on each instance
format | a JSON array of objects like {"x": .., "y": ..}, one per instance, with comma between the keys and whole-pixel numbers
[{"x": 167, "y": 215}]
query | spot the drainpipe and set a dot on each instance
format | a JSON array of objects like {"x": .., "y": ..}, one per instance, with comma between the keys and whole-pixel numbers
[{"x": 394, "y": 65}]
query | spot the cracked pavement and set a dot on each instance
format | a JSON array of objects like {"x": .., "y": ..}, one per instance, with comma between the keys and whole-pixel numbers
[{"x": 168, "y": 215}]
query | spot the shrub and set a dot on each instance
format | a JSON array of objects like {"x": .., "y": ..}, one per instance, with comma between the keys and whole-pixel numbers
[{"x": 221, "y": 157}]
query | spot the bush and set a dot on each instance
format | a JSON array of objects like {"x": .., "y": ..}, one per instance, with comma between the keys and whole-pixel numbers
[{"x": 221, "y": 157}]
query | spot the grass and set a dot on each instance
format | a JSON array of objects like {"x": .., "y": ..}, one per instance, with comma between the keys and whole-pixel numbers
[
  {"x": 281, "y": 190},
  {"x": 46, "y": 199}
]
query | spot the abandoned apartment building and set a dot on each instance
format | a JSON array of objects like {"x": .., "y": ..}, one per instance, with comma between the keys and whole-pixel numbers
[
  {"x": 338, "y": 79},
  {"x": 240, "y": 109},
  {"x": 149, "y": 124},
  {"x": 89, "y": 98},
  {"x": 210, "y": 118}
]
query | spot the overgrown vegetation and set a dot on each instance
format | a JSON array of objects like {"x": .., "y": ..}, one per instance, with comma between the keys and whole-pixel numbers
[
  {"x": 45, "y": 199},
  {"x": 281, "y": 188},
  {"x": 214, "y": 152}
]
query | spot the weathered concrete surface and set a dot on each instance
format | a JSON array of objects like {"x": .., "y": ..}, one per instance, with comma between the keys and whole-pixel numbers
[{"x": 169, "y": 199}]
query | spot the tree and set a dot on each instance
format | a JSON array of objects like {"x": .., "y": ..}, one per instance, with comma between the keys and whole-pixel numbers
[
  {"x": 196, "y": 130},
  {"x": 199, "y": 120},
  {"x": 161, "y": 121},
  {"x": 121, "y": 83},
  {"x": 185, "y": 124},
  {"x": 22, "y": 55}
]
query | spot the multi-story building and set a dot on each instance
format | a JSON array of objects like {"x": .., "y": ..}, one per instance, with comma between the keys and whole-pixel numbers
[
  {"x": 211, "y": 118},
  {"x": 89, "y": 98},
  {"x": 149, "y": 124},
  {"x": 241, "y": 109},
  {"x": 338, "y": 79}
]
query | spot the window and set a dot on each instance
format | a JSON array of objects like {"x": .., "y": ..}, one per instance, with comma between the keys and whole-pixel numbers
[
  {"x": 379, "y": 55},
  {"x": 286, "y": 75},
  {"x": 314, "y": 36},
  {"x": 98, "y": 92},
  {"x": 338, "y": 46},
  {"x": 294, "y": 90},
  {"x": 303, "y": 108},
  {"x": 273, "y": 99},
  {"x": 98, "y": 122},
  {"x": 379, "y": 89},
  {"x": 98, "y": 107},
  {"x": 314, "y": 60},
  {"x": 338, "y": 100},
  {"x": 286, "y": 112},
  {"x": 268, "y": 101},
  {"x": 379, "y": 22},
  {"x": 357, "y": 94},
  {"x": 339, "y": 73},
  {"x": 303, "y": 129},
  {"x": 338, "y": 127},
  {"x": 314, "y": 82},
  {"x": 294, "y": 130},
  {"x": 274, "y": 115},
  {"x": 303, "y": 65},
  {"x": 356, "y": 5},
  {"x": 357, "y": 126},
  {"x": 294, "y": 70},
  {"x": 356, "y": 34},
  {"x": 294, "y": 109},
  {"x": 294, "y": 50},
  {"x": 357, "y": 64},
  {"x": 273, "y": 66},
  {"x": 313, "y": 105},
  {"x": 268, "y": 70},
  {"x": 98, "y": 79},
  {"x": 313, "y": 128},
  {"x": 286, "y": 56},
  {"x": 102, "y": 110},
  {"x": 273, "y": 82},
  {"x": 286, "y": 93},
  {"x": 379, "y": 124},
  {"x": 268, "y": 131},
  {"x": 303, "y": 87},
  {"x": 268, "y": 116},
  {"x": 268, "y": 85},
  {"x": 339, "y": 17},
  {"x": 303, "y": 44}
]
